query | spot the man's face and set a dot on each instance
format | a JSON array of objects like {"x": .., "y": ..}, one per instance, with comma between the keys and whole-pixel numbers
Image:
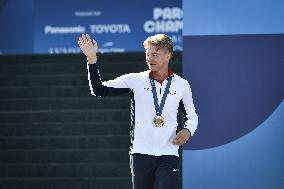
[{"x": 157, "y": 59}]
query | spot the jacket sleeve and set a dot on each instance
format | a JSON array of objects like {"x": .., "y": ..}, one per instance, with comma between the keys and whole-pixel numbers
[
  {"x": 188, "y": 110},
  {"x": 101, "y": 90}
]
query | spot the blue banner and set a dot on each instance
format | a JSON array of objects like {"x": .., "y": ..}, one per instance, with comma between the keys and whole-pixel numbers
[
  {"x": 17, "y": 26},
  {"x": 118, "y": 26}
]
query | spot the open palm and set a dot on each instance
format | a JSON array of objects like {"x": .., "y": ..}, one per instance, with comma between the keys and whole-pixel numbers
[{"x": 89, "y": 47}]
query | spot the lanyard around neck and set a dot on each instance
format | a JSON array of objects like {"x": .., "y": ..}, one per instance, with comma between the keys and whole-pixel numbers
[{"x": 159, "y": 108}]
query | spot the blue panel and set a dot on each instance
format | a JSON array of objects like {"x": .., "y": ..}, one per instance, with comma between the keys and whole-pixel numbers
[
  {"x": 222, "y": 17},
  {"x": 52, "y": 26},
  {"x": 118, "y": 26},
  {"x": 255, "y": 161},
  {"x": 17, "y": 26},
  {"x": 237, "y": 82}
]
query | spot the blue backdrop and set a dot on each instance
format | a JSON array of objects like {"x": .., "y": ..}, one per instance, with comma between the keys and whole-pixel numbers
[
  {"x": 233, "y": 58},
  {"x": 16, "y": 22},
  {"x": 51, "y": 26}
]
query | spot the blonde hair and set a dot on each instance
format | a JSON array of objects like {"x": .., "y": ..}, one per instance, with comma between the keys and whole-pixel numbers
[{"x": 160, "y": 41}]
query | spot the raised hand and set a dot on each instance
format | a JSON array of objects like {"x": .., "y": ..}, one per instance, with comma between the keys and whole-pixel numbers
[{"x": 89, "y": 48}]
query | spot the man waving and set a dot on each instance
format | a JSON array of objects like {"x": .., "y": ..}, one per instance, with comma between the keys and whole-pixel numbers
[{"x": 157, "y": 94}]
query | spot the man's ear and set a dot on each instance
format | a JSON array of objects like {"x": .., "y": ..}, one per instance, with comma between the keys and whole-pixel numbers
[{"x": 169, "y": 56}]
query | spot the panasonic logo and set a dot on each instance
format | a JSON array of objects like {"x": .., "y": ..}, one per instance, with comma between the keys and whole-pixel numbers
[{"x": 64, "y": 30}]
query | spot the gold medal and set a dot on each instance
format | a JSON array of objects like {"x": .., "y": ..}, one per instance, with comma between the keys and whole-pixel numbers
[{"x": 158, "y": 121}]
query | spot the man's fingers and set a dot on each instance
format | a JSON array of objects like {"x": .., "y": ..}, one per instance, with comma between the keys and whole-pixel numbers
[
  {"x": 84, "y": 40},
  {"x": 80, "y": 42},
  {"x": 88, "y": 47},
  {"x": 181, "y": 137},
  {"x": 95, "y": 44},
  {"x": 179, "y": 140},
  {"x": 178, "y": 135},
  {"x": 89, "y": 41}
]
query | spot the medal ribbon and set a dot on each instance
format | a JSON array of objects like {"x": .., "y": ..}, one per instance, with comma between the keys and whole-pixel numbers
[{"x": 159, "y": 108}]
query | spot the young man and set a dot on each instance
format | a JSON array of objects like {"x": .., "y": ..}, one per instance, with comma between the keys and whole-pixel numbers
[{"x": 156, "y": 96}]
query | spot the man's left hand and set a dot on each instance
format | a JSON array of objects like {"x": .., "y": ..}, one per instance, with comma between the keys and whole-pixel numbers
[{"x": 181, "y": 137}]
